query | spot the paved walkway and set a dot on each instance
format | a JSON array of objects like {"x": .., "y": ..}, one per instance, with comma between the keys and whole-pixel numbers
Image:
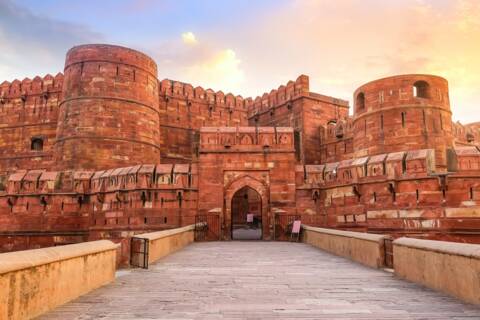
[
  {"x": 243, "y": 232},
  {"x": 261, "y": 280}
]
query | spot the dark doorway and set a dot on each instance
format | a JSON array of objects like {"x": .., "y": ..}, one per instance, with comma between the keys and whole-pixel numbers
[{"x": 246, "y": 215}]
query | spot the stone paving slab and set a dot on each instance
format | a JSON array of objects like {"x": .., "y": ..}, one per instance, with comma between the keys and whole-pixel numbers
[{"x": 261, "y": 280}]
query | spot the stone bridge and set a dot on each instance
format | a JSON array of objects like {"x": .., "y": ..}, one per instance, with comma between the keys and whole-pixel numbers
[{"x": 330, "y": 274}]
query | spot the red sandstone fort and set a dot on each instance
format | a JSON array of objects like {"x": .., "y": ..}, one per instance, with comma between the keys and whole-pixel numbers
[{"x": 107, "y": 150}]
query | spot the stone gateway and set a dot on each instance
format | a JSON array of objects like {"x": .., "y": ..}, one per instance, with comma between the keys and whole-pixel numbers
[{"x": 106, "y": 150}]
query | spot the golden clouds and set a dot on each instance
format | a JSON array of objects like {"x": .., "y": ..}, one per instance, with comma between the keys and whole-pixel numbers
[
  {"x": 221, "y": 70},
  {"x": 189, "y": 38}
]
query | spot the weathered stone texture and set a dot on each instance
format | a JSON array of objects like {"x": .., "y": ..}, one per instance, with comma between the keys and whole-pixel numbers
[
  {"x": 106, "y": 150},
  {"x": 109, "y": 114}
]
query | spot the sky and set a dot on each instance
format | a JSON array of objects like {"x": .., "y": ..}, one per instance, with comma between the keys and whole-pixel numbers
[{"x": 248, "y": 47}]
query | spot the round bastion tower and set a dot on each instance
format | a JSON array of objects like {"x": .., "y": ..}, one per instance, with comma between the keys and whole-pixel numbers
[
  {"x": 401, "y": 113},
  {"x": 109, "y": 114}
]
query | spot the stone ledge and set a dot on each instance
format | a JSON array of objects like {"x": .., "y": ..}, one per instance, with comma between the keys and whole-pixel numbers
[
  {"x": 163, "y": 243},
  {"x": 349, "y": 234},
  {"x": 166, "y": 233},
  {"x": 452, "y": 248},
  {"x": 20, "y": 260},
  {"x": 445, "y": 266},
  {"x": 367, "y": 249}
]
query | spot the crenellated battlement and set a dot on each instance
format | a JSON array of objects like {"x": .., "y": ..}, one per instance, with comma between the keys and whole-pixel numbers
[
  {"x": 175, "y": 89},
  {"x": 468, "y": 134},
  {"x": 282, "y": 95},
  {"x": 285, "y": 94},
  {"x": 410, "y": 164},
  {"x": 38, "y": 86},
  {"x": 85, "y": 183}
]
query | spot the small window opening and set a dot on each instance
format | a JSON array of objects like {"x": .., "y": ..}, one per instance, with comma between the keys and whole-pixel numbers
[
  {"x": 404, "y": 116},
  {"x": 471, "y": 193},
  {"x": 36, "y": 144},
  {"x": 297, "y": 144},
  {"x": 421, "y": 89},
  {"x": 143, "y": 197},
  {"x": 360, "y": 101}
]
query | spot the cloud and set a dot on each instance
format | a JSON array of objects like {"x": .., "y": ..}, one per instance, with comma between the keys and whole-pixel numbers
[
  {"x": 221, "y": 71},
  {"x": 189, "y": 38},
  {"x": 31, "y": 44},
  {"x": 345, "y": 44},
  {"x": 203, "y": 63}
]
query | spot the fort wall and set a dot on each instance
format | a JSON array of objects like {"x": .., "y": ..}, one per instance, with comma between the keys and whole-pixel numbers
[
  {"x": 107, "y": 151},
  {"x": 400, "y": 193},
  {"x": 46, "y": 208},
  {"x": 184, "y": 109},
  {"x": 293, "y": 105},
  {"x": 28, "y": 113}
]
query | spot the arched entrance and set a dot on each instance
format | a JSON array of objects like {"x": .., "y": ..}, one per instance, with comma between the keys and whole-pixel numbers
[
  {"x": 257, "y": 192},
  {"x": 246, "y": 215}
]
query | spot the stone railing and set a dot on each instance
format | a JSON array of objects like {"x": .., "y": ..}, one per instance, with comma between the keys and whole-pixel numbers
[
  {"x": 450, "y": 267},
  {"x": 365, "y": 248},
  {"x": 33, "y": 282},
  {"x": 149, "y": 247}
]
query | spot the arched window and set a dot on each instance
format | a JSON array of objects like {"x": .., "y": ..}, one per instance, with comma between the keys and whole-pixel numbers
[
  {"x": 421, "y": 89},
  {"x": 360, "y": 101},
  {"x": 37, "y": 144}
]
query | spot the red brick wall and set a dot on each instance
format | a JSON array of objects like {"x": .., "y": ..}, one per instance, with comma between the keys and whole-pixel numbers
[
  {"x": 295, "y": 106},
  {"x": 43, "y": 208},
  {"x": 185, "y": 109},
  {"x": 28, "y": 109},
  {"x": 262, "y": 158},
  {"x": 400, "y": 197}
]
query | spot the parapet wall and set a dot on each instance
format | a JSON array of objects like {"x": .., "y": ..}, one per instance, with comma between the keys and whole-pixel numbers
[
  {"x": 36, "y": 281},
  {"x": 367, "y": 249},
  {"x": 161, "y": 243},
  {"x": 444, "y": 266}
]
